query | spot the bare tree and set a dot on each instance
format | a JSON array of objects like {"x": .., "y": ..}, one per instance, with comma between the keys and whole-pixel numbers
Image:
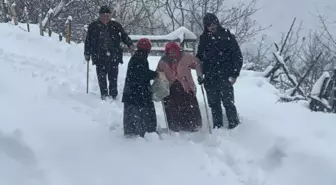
[
  {"x": 3, "y": 11},
  {"x": 177, "y": 15},
  {"x": 257, "y": 55},
  {"x": 237, "y": 17},
  {"x": 137, "y": 16},
  {"x": 327, "y": 36},
  {"x": 311, "y": 48},
  {"x": 144, "y": 16}
]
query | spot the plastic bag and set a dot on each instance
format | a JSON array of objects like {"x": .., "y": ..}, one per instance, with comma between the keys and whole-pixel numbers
[{"x": 160, "y": 88}]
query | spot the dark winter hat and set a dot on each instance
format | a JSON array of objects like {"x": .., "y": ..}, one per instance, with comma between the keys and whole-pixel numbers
[
  {"x": 104, "y": 9},
  {"x": 144, "y": 44},
  {"x": 209, "y": 19}
]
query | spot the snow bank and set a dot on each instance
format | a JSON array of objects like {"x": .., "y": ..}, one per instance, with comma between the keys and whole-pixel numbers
[{"x": 70, "y": 137}]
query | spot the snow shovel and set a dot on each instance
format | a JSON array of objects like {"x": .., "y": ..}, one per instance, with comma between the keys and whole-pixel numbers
[
  {"x": 165, "y": 115},
  {"x": 206, "y": 110}
]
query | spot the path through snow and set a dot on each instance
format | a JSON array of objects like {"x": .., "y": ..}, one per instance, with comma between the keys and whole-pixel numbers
[{"x": 52, "y": 133}]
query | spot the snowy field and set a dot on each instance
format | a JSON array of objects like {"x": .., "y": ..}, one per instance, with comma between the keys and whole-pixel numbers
[{"x": 53, "y": 133}]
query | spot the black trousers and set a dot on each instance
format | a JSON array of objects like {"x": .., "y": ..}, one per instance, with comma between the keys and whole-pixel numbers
[
  {"x": 108, "y": 70},
  {"x": 139, "y": 119},
  {"x": 221, "y": 91}
]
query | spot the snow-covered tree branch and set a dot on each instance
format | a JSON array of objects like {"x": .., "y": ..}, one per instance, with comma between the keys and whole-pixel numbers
[{"x": 55, "y": 12}]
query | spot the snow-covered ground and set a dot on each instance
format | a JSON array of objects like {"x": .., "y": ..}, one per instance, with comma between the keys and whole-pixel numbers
[{"x": 53, "y": 133}]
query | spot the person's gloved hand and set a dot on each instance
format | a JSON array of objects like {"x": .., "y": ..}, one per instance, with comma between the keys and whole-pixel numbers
[
  {"x": 87, "y": 58},
  {"x": 200, "y": 80}
]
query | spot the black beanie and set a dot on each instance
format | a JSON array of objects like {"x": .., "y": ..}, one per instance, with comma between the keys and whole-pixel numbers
[
  {"x": 209, "y": 19},
  {"x": 104, "y": 9}
]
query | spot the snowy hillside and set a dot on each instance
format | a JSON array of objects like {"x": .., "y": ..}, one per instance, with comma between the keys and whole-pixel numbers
[{"x": 53, "y": 133}]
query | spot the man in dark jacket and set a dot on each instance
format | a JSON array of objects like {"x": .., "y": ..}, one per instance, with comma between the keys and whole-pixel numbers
[
  {"x": 139, "y": 111},
  {"x": 102, "y": 45},
  {"x": 221, "y": 61}
]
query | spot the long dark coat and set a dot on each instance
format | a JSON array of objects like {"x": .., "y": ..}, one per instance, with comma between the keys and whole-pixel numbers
[
  {"x": 221, "y": 59},
  {"x": 219, "y": 53},
  {"x": 102, "y": 39},
  {"x": 139, "y": 110},
  {"x": 137, "y": 89}
]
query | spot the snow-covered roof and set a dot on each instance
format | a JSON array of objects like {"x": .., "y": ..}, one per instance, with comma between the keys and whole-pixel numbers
[
  {"x": 162, "y": 49},
  {"x": 181, "y": 33}
]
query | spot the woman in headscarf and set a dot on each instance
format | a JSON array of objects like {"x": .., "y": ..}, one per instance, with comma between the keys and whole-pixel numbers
[
  {"x": 139, "y": 111},
  {"x": 181, "y": 105}
]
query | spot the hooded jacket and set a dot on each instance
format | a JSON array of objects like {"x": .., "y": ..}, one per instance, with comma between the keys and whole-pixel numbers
[{"x": 219, "y": 53}]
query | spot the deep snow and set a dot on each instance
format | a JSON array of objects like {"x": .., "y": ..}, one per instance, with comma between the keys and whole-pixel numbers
[{"x": 53, "y": 133}]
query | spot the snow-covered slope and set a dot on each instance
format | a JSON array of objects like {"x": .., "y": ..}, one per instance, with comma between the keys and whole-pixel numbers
[{"x": 53, "y": 133}]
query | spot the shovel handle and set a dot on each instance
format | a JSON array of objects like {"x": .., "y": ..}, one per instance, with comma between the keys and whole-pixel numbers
[{"x": 87, "y": 76}]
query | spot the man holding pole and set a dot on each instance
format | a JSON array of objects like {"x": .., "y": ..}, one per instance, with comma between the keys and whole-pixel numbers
[
  {"x": 102, "y": 45},
  {"x": 222, "y": 61}
]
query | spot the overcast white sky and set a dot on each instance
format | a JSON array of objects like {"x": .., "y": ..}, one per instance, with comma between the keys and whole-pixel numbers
[{"x": 280, "y": 14}]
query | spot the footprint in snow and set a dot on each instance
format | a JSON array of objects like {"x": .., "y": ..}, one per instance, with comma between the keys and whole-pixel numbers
[
  {"x": 275, "y": 155},
  {"x": 77, "y": 109}
]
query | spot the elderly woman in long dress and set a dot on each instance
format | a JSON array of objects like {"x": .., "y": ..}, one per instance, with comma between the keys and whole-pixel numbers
[{"x": 181, "y": 105}]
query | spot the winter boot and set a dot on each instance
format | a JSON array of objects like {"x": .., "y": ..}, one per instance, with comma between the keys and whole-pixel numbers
[{"x": 104, "y": 97}]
